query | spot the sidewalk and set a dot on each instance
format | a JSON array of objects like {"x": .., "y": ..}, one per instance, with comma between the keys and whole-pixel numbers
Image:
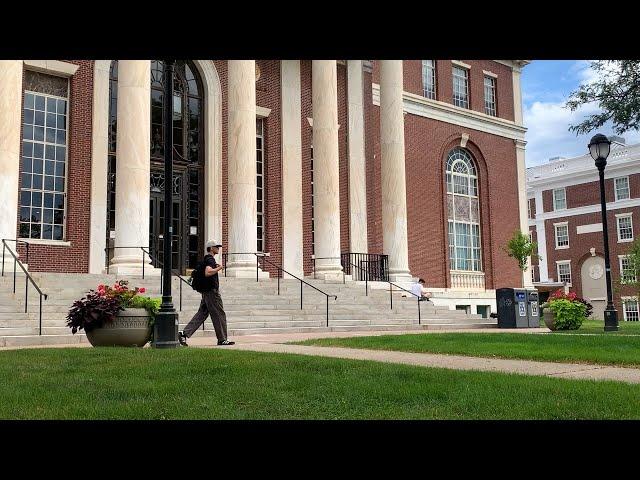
[{"x": 276, "y": 343}]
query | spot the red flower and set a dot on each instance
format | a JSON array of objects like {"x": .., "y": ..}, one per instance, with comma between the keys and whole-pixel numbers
[{"x": 142, "y": 290}]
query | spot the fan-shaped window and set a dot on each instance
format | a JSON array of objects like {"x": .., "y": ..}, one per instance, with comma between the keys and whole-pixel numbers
[{"x": 463, "y": 212}]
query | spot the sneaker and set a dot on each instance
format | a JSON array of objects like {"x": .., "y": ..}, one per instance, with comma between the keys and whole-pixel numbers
[
  {"x": 182, "y": 338},
  {"x": 226, "y": 342}
]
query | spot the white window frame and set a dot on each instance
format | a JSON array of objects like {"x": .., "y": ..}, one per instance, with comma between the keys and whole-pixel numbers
[
  {"x": 555, "y": 233},
  {"x": 564, "y": 262},
  {"x": 63, "y": 240},
  {"x": 564, "y": 191},
  {"x": 625, "y": 302},
  {"x": 633, "y": 278},
  {"x": 429, "y": 71},
  {"x": 620, "y": 216},
  {"x": 466, "y": 82},
  {"x": 615, "y": 188},
  {"x": 490, "y": 104}
]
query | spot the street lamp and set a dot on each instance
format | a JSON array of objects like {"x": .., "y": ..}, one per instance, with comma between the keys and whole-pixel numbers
[
  {"x": 599, "y": 148},
  {"x": 165, "y": 333}
]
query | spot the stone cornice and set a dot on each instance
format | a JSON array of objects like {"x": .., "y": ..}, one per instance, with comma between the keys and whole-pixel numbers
[
  {"x": 444, "y": 112},
  {"x": 55, "y": 67}
]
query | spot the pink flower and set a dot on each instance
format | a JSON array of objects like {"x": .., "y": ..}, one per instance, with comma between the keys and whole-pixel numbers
[{"x": 142, "y": 290}]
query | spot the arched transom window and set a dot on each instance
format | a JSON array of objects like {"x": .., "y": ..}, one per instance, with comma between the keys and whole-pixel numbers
[{"x": 463, "y": 212}]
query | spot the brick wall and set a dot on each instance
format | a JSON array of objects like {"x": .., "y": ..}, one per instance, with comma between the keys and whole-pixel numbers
[{"x": 74, "y": 258}]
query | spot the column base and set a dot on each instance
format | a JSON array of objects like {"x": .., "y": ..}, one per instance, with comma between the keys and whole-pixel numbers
[
  {"x": 133, "y": 270},
  {"x": 329, "y": 273},
  {"x": 401, "y": 277}
]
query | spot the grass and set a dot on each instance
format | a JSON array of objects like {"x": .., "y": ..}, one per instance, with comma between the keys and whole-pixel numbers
[
  {"x": 120, "y": 383},
  {"x": 597, "y": 327},
  {"x": 606, "y": 349}
]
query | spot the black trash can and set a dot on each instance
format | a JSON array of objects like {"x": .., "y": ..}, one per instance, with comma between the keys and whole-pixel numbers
[{"x": 512, "y": 308}]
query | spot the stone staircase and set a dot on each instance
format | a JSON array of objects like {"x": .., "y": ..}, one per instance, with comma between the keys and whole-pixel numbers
[{"x": 251, "y": 307}]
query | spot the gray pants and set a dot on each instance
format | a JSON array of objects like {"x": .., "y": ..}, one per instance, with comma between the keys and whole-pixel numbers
[{"x": 211, "y": 304}]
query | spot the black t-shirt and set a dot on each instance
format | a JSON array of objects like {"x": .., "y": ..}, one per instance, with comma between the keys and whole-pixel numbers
[{"x": 212, "y": 281}]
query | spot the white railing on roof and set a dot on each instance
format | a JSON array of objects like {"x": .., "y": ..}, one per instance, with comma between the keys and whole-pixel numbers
[{"x": 467, "y": 280}]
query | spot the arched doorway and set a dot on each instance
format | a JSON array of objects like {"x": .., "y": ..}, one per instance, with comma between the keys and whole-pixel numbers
[
  {"x": 594, "y": 287},
  {"x": 188, "y": 160}
]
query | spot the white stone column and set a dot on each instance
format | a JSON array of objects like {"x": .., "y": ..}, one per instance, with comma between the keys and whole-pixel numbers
[
  {"x": 522, "y": 203},
  {"x": 394, "y": 191},
  {"x": 326, "y": 170},
  {"x": 357, "y": 164},
  {"x": 133, "y": 167},
  {"x": 10, "y": 114},
  {"x": 242, "y": 199},
  {"x": 541, "y": 234},
  {"x": 292, "y": 245},
  {"x": 99, "y": 165}
]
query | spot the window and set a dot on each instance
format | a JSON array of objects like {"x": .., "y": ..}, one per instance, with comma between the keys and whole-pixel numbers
[
  {"x": 622, "y": 188},
  {"x": 627, "y": 273},
  {"x": 463, "y": 212},
  {"x": 429, "y": 78},
  {"x": 631, "y": 310},
  {"x": 260, "y": 183},
  {"x": 490, "y": 96},
  {"x": 564, "y": 271},
  {"x": 625, "y": 228},
  {"x": 460, "y": 87},
  {"x": 559, "y": 199},
  {"x": 562, "y": 235},
  {"x": 44, "y": 157}
]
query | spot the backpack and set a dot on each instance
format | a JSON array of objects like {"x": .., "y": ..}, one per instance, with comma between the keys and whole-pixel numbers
[{"x": 198, "y": 280}]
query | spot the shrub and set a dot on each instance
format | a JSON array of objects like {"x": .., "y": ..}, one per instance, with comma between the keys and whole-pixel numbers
[{"x": 569, "y": 315}]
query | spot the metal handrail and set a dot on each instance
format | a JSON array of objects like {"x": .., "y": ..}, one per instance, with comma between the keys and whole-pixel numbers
[
  {"x": 28, "y": 278},
  {"x": 408, "y": 291},
  {"x": 314, "y": 258},
  {"x": 280, "y": 269},
  {"x": 225, "y": 256}
]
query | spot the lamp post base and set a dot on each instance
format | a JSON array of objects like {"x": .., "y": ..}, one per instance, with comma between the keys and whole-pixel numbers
[
  {"x": 610, "y": 319},
  {"x": 165, "y": 330}
]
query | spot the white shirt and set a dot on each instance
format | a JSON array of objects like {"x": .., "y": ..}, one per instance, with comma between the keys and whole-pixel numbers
[{"x": 416, "y": 289}]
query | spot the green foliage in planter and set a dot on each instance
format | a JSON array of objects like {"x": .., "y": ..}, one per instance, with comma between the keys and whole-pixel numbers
[
  {"x": 151, "y": 305},
  {"x": 568, "y": 315}
]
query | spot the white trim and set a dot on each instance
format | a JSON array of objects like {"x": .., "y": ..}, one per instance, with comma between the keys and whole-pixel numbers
[
  {"x": 262, "y": 112},
  {"x": 564, "y": 262},
  {"x": 555, "y": 234},
  {"x": 626, "y": 300},
  {"x": 554, "y": 199},
  {"x": 44, "y": 241},
  {"x": 54, "y": 67},
  {"x": 489, "y": 74},
  {"x": 589, "y": 228},
  {"x": 448, "y": 113},
  {"x": 620, "y": 258},
  {"x": 560, "y": 223},
  {"x": 461, "y": 64},
  {"x": 627, "y": 214},
  {"x": 570, "y": 212}
]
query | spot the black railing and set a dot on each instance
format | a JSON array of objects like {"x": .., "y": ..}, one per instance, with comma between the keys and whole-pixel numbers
[
  {"x": 377, "y": 265},
  {"x": 155, "y": 263},
  {"x": 263, "y": 256},
  {"x": 28, "y": 277},
  {"x": 419, "y": 297}
]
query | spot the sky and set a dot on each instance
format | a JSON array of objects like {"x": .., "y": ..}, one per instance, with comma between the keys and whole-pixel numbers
[{"x": 546, "y": 86}]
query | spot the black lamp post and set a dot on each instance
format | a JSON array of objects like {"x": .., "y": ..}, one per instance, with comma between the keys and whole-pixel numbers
[
  {"x": 599, "y": 148},
  {"x": 165, "y": 333}
]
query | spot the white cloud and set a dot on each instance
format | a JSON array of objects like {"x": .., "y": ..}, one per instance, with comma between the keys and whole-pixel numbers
[{"x": 548, "y": 121}]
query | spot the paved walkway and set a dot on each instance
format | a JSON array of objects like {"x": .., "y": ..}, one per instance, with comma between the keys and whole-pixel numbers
[{"x": 276, "y": 343}]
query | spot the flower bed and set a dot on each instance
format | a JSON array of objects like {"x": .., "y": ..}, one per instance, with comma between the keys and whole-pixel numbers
[{"x": 568, "y": 311}]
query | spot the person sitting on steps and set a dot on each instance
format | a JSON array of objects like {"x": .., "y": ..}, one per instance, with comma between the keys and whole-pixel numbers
[
  {"x": 211, "y": 303},
  {"x": 419, "y": 290}
]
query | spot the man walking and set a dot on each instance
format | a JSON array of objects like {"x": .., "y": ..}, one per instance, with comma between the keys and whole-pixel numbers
[{"x": 211, "y": 303}]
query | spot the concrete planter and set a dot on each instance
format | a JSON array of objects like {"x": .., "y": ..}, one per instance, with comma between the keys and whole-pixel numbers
[
  {"x": 549, "y": 319},
  {"x": 131, "y": 328}
]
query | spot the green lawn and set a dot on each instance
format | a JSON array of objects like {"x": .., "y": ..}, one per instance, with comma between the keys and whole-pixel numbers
[
  {"x": 606, "y": 349},
  {"x": 597, "y": 327},
  {"x": 117, "y": 383}
]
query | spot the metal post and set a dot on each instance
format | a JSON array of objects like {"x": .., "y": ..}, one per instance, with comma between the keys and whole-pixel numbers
[
  {"x": 390, "y": 296},
  {"x": 40, "y": 319},
  {"x": 366, "y": 283},
  {"x": 419, "y": 311},
  {"x": 257, "y": 259},
  {"x": 314, "y": 268},
  {"x": 279, "y": 280},
  {"x": 3, "y": 247},
  {"x": 300, "y": 295},
  {"x": 106, "y": 252},
  {"x": 27, "y": 251},
  {"x": 327, "y": 310},
  {"x": 26, "y": 292},
  {"x": 14, "y": 274},
  {"x": 610, "y": 313},
  {"x": 143, "y": 262},
  {"x": 181, "y": 295},
  {"x": 166, "y": 324}
]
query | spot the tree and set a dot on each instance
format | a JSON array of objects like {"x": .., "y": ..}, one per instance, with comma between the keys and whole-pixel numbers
[
  {"x": 521, "y": 247},
  {"x": 617, "y": 93}
]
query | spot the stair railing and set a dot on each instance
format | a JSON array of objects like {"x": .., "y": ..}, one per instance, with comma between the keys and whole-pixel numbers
[{"x": 28, "y": 277}]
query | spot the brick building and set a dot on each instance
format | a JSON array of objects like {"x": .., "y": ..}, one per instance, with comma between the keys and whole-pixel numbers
[
  {"x": 565, "y": 219},
  {"x": 418, "y": 160}
]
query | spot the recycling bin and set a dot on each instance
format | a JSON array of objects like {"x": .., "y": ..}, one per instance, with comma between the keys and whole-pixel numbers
[
  {"x": 512, "y": 308},
  {"x": 533, "y": 308}
]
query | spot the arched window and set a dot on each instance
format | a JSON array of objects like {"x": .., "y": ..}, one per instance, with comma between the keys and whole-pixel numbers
[{"x": 463, "y": 212}]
